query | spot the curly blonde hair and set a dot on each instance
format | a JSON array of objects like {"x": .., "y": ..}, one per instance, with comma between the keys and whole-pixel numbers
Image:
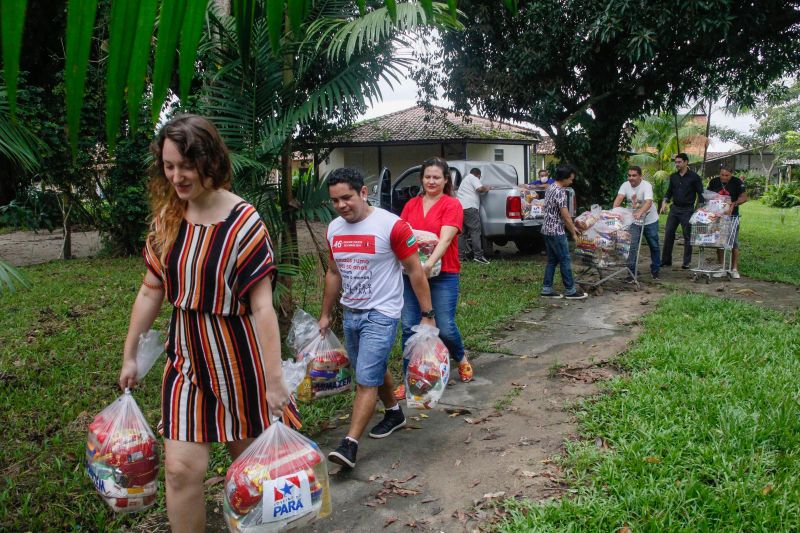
[{"x": 199, "y": 142}]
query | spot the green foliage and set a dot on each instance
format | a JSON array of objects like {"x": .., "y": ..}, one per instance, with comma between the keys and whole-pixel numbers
[
  {"x": 33, "y": 209},
  {"x": 583, "y": 69},
  {"x": 10, "y": 277},
  {"x": 657, "y": 139},
  {"x": 754, "y": 183},
  {"x": 123, "y": 217},
  {"x": 703, "y": 433},
  {"x": 782, "y": 196}
]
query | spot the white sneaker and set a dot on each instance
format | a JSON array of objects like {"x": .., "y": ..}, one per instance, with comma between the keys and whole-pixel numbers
[
  {"x": 720, "y": 274},
  {"x": 735, "y": 274}
]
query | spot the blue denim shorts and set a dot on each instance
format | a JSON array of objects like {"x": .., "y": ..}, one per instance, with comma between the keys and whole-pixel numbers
[{"x": 369, "y": 336}]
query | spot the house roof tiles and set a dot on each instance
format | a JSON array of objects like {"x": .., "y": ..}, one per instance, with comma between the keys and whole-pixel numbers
[{"x": 441, "y": 125}]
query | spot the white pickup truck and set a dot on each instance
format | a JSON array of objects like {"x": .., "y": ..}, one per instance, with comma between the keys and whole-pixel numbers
[{"x": 503, "y": 218}]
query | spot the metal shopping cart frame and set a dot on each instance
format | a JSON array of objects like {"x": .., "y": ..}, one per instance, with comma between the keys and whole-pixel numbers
[
  {"x": 608, "y": 265},
  {"x": 703, "y": 237}
]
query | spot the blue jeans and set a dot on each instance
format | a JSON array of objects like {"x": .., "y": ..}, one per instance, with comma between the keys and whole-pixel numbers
[
  {"x": 558, "y": 255},
  {"x": 444, "y": 296},
  {"x": 369, "y": 336},
  {"x": 651, "y": 236}
]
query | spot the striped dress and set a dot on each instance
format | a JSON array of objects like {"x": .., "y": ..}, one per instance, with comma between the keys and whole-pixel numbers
[{"x": 214, "y": 384}]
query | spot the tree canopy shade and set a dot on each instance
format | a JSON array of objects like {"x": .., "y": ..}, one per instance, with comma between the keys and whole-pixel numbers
[
  {"x": 179, "y": 22},
  {"x": 583, "y": 69}
]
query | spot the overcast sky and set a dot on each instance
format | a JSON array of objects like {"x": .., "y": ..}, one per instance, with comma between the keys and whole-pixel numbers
[{"x": 404, "y": 95}]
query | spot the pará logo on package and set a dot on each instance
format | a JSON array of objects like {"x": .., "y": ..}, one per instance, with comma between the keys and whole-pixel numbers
[{"x": 286, "y": 497}]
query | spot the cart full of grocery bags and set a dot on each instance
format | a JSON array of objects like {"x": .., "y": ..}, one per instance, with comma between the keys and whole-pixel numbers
[
  {"x": 713, "y": 230},
  {"x": 603, "y": 246}
]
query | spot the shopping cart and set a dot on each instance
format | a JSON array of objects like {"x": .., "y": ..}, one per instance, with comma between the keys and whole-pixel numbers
[
  {"x": 719, "y": 235},
  {"x": 606, "y": 261}
]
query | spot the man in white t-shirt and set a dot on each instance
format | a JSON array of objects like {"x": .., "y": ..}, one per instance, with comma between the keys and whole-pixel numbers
[
  {"x": 469, "y": 242},
  {"x": 369, "y": 248},
  {"x": 639, "y": 194}
]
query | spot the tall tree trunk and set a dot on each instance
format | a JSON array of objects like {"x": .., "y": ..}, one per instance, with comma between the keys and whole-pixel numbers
[
  {"x": 708, "y": 132},
  {"x": 66, "y": 244},
  {"x": 677, "y": 132},
  {"x": 288, "y": 203}
]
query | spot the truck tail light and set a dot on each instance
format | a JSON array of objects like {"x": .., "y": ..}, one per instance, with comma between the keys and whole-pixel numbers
[{"x": 514, "y": 207}]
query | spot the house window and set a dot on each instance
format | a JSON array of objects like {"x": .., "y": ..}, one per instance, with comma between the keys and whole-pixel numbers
[{"x": 499, "y": 154}]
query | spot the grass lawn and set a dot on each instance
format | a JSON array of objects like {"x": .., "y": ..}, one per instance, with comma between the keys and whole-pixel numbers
[
  {"x": 704, "y": 432},
  {"x": 770, "y": 243},
  {"x": 60, "y": 354}
]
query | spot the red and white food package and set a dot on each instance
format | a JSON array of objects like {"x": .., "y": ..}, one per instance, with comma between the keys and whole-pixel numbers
[
  {"x": 428, "y": 367},
  {"x": 122, "y": 456},
  {"x": 427, "y": 241},
  {"x": 328, "y": 368},
  {"x": 280, "y": 481}
]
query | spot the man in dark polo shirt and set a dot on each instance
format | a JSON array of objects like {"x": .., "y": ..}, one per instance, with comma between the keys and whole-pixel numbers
[
  {"x": 685, "y": 189},
  {"x": 729, "y": 185}
]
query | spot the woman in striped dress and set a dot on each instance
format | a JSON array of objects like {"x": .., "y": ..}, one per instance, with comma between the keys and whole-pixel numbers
[{"x": 208, "y": 252}]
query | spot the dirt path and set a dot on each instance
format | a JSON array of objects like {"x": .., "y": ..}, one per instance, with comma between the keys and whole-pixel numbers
[{"x": 438, "y": 474}]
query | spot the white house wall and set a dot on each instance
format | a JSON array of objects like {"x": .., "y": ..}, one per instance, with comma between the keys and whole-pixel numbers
[{"x": 513, "y": 154}]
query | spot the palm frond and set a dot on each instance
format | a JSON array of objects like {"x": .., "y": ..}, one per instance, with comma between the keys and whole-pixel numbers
[{"x": 10, "y": 277}]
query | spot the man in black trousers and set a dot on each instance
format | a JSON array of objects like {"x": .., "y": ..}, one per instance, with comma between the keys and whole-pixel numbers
[{"x": 685, "y": 189}]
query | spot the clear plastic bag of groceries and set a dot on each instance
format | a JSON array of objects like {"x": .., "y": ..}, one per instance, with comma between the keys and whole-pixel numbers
[
  {"x": 587, "y": 219},
  {"x": 122, "y": 456},
  {"x": 716, "y": 203},
  {"x": 428, "y": 367},
  {"x": 328, "y": 369},
  {"x": 303, "y": 330},
  {"x": 150, "y": 347},
  {"x": 427, "y": 241},
  {"x": 614, "y": 220},
  {"x": 280, "y": 481}
]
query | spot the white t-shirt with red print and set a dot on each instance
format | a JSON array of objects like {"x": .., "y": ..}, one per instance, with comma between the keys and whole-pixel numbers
[{"x": 368, "y": 255}]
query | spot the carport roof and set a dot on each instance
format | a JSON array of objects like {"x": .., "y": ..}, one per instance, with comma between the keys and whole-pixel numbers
[{"x": 415, "y": 126}]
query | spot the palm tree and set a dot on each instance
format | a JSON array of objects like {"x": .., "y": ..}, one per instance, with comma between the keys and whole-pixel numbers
[{"x": 265, "y": 104}]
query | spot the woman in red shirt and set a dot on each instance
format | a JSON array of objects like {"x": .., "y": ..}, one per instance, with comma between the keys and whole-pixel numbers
[{"x": 437, "y": 211}]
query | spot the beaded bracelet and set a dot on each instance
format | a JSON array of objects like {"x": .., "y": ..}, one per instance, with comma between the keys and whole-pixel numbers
[{"x": 154, "y": 287}]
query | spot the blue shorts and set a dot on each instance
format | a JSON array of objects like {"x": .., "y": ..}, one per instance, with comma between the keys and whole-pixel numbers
[{"x": 369, "y": 336}]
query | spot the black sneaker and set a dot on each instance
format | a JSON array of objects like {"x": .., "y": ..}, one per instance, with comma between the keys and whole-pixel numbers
[
  {"x": 656, "y": 277},
  {"x": 481, "y": 260},
  {"x": 394, "y": 419},
  {"x": 576, "y": 296},
  {"x": 345, "y": 454},
  {"x": 551, "y": 295},
  {"x": 686, "y": 267}
]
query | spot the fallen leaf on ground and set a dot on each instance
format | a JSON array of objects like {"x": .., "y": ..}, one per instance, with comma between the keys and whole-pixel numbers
[
  {"x": 414, "y": 418},
  {"x": 460, "y": 516},
  {"x": 468, "y": 439},
  {"x": 458, "y": 462},
  {"x": 493, "y": 495},
  {"x": 429, "y": 500},
  {"x": 404, "y": 492},
  {"x": 373, "y": 477},
  {"x": 213, "y": 480},
  {"x": 476, "y": 482},
  {"x": 406, "y": 480},
  {"x": 518, "y": 385},
  {"x": 469, "y": 420},
  {"x": 457, "y": 411},
  {"x": 766, "y": 490},
  {"x": 395, "y": 465},
  {"x": 344, "y": 417},
  {"x": 491, "y": 436},
  {"x": 652, "y": 459},
  {"x": 528, "y": 473},
  {"x": 389, "y": 521},
  {"x": 423, "y": 415},
  {"x": 746, "y": 292},
  {"x": 624, "y": 529}
]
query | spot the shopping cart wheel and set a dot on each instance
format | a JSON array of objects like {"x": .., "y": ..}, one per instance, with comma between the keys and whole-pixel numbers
[
  {"x": 708, "y": 278},
  {"x": 695, "y": 276}
]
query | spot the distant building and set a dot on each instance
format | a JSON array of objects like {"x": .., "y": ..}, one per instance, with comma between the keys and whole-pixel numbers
[
  {"x": 406, "y": 138},
  {"x": 760, "y": 159}
]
